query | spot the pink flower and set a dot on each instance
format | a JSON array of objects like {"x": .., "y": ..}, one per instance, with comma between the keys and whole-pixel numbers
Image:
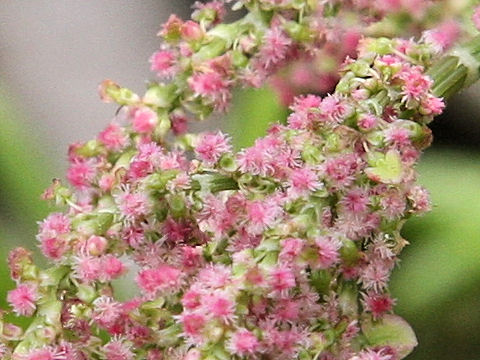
[
  {"x": 163, "y": 63},
  {"x": 46, "y": 353},
  {"x": 87, "y": 268},
  {"x": 81, "y": 173},
  {"x": 211, "y": 146},
  {"x": 211, "y": 85},
  {"x": 52, "y": 235},
  {"x": 111, "y": 267},
  {"x": 23, "y": 299},
  {"x": 327, "y": 252},
  {"x": 262, "y": 214},
  {"x": 132, "y": 205},
  {"x": 191, "y": 31},
  {"x": 106, "y": 311},
  {"x": 164, "y": 278},
  {"x": 476, "y": 17},
  {"x": 193, "y": 324},
  {"x": 355, "y": 201},
  {"x": 303, "y": 181},
  {"x": 220, "y": 305},
  {"x": 276, "y": 45},
  {"x": 243, "y": 342},
  {"x": 442, "y": 37},
  {"x": 118, "y": 350},
  {"x": 291, "y": 248},
  {"x": 378, "y": 304},
  {"x": 113, "y": 137},
  {"x": 282, "y": 279},
  {"x": 192, "y": 299},
  {"x": 367, "y": 122},
  {"x": 144, "y": 120}
]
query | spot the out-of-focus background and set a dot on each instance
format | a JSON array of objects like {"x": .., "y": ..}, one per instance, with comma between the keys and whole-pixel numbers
[{"x": 54, "y": 53}]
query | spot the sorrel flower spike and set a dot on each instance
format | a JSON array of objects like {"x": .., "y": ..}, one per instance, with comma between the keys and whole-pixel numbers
[{"x": 283, "y": 250}]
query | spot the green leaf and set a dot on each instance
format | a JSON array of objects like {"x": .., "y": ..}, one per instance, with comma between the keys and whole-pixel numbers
[
  {"x": 392, "y": 331},
  {"x": 386, "y": 168}
]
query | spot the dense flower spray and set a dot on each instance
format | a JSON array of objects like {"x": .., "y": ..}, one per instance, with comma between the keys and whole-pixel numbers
[{"x": 281, "y": 251}]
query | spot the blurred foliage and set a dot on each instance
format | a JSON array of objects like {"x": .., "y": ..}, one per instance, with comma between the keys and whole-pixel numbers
[{"x": 437, "y": 284}]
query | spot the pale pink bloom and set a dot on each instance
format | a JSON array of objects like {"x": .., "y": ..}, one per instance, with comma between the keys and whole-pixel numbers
[
  {"x": 211, "y": 85},
  {"x": 432, "y": 105},
  {"x": 243, "y": 343},
  {"x": 87, "y": 268},
  {"x": 342, "y": 169},
  {"x": 261, "y": 214},
  {"x": 304, "y": 181},
  {"x": 276, "y": 45},
  {"x": 45, "y": 353},
  {"x": 355, "y": 201},
  {"x": 291, "y": 248},
  {"x": 113, "y": 137},
  {"x": 193, "y": 325},
  {"x": 327, "y": 251},
  {"x": 215, "y": 276},
  {"x": 111, "y": 267},
  {"x": 287, "y": 310},
  {"x": 164, "y": 278},
  {"x": 416, "y": 84},
  {"x": 106, "y": 182},
  {"x": 23, "y": 299},
  {"x": 144, "y": 120},
  {"x": 192, "y": 299},
  {"x": 52, "y": 236},
  {"x": 393, "y": 204},
  {"x": 420, "y": 199},
  {"x": 81, "y": 173},
  {"x": 282, "y": 279},
  {"x": 367, "y": 122},
  {"x": 211, "y": 146},
  {"x": 191, "y": 31},
  {"x": 397, "y": 136},
  {"x": 96, "y": 245},
  {"x": 375, "y": 275},
  {"x": 106, "y": 311},
  {"x": 476, "y": 17},
  {"x": 163, "y": 62},
  {"x": 333, "y": 109},
  {"x": 220, "y": 305},
  {"x": 443, "y": 36},
  {"x": 117, "y": 349},
  {"x": 132, "y": 205}
]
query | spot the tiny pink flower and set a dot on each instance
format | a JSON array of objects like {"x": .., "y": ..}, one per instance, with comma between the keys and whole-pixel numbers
[
  {"x": 111, "y": 267},
  {"x": 193, "y": 324},
  {"x": 81, "y": 173},
  {"x": 211, "y": 146},
  {"x": 282, "y": 279},
  {"x": 113, "y": 137},
  {"x": 164, "y": 278},
  {"x": 163, "y": 62},
  {"x": 144, "y": 120},
  {"x": 243, "y": 342},
  {"x": 476, "y": 17},
  {"x": 117, "y": 349},
  {"x": 327, "y": 251},
  {"x": 23, "y": 299},
  {"x": 304, "y": 181}
]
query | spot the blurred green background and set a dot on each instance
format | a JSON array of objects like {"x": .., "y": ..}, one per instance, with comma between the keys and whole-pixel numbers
[{"x": 437, "y": 284}]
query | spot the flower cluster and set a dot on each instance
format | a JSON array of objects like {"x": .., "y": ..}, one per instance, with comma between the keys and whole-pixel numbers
[{"x": 280, "y": 251}]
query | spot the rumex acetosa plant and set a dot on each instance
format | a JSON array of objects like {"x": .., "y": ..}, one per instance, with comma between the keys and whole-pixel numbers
[{"x": 280, "y": 251}]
